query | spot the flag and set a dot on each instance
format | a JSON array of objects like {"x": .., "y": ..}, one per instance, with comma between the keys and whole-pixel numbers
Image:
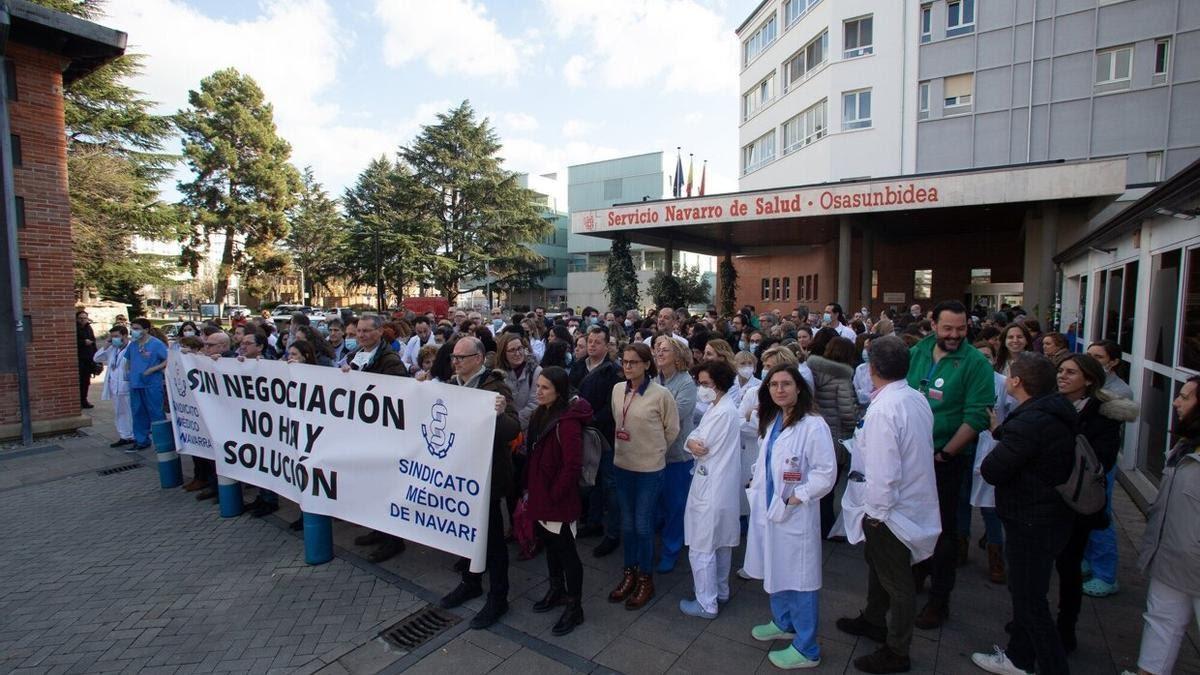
[
  {"x": 703, "y": 173},
  {"x": 689, "y": 182},
  {"x": 677, "y": 184}
]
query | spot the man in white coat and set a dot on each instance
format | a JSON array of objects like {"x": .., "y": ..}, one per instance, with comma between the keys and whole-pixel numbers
[
  {"x": 891, "y": 502},
  {"x": 421, "y": 337},
  {"x": 116, "y": 385}
]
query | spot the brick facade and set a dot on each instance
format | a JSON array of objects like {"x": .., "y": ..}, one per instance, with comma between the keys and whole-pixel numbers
[{"x": 44, "y": 243}]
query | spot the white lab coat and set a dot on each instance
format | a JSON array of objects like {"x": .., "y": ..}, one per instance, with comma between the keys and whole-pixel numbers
[
  {"x": 748, "y": 414},
  {"x": 412, "y": 349},
  {"x": 983, "y": 493},
  {"x": 893, "y": 450},
  {"x": 116, "y": 388},
  {"x": 711, "y": 519},
  {"x": 784, "y": 543}
]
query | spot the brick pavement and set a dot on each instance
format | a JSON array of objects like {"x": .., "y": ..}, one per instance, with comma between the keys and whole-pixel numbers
[{"x": 110, "y": 573}]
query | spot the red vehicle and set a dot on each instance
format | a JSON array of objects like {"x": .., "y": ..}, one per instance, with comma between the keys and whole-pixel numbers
[{"x": 439, "y": 306}]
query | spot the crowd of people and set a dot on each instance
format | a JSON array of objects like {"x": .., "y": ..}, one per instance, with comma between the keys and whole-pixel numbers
[{"x": 777, "y": 430}]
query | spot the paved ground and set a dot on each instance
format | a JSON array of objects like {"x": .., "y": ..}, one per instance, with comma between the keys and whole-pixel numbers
[{"x": 110, "y": 573}]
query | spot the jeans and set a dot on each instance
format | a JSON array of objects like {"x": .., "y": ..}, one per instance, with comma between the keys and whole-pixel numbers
[
  {"x": 1101, "y": 551},
  {"x": 146, "y": 404},
  {"x": 941, "y": 565},
  {"x": 562, "y": 560},
  {"x": 603, "y": 506},
  {"x": 1035, "y": 644},
  {"x": 672, "y": 502},
  {"x": 889, "y": 585},
  {"x": 497, "y": 557},
  {"x": 992, "y": 526},
  {"x": 798, "y": 612},
  {"x": 638, "y": 494}
]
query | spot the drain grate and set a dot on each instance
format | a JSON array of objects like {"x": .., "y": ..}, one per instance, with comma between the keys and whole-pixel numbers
[
  {"x": 119, "y": 469},
  {"x": 419, "y": 627}
]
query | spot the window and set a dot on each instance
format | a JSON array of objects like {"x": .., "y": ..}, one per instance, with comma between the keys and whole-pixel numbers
[
  {"x": 981, "y": 275},
  {"x": 10, "y": 79},
  {"x": 1162, "y": 60},
  {"x": 775, "y": 288},
  {"x": 856, "y": 109},
  {"x": 15, "y": 141},
  {"x": 1164, "y": 304},
  {"x": 802, "y": 287},
  {"x": 1189, "y": 356},
  {"x": 759, "y": 41},
  {"x": 1113, "y": 67},
  {"x": 957, "y": 91},
  {"x": 813, "y": 287},
  {"x": 926, "y": 23},
  {"x": 758, "y": 153},
  {"x": 23, "y": 271},
  {"x": 1118, "y": 295},
  {"x": 1154, "y": 171},
  {"x": 806, "y": 60},
  {"x": 787, "y": 288},
  {"x": 759, "y": 96},
  {"x": 960, "y": 17},
  {"x": 922, "y": 284},
  {"x": 20, "y": 211},
  {"x": 805, "y": 128},
  {"x": 858, "y": 40},
  {"x": 613, "y": 188},
  {"x": 923, "y": 100},
  {"x": 794, "y": 9},
  {"x": 874, "y": 284},
  {"x": 766, "y": 289}
]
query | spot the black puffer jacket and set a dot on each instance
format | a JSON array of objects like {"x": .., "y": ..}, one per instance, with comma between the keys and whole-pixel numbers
[
  {"x": 1100, "y": 422},
  {"x": 1035, "y": 453}
]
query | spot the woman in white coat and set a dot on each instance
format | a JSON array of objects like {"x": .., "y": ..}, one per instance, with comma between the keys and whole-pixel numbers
[
  {"x": 116, "y": 384},
  {"x": 711, "y": 521},
  {"x": 796, "y": 467},
  {"x": 983, "y": 494}
]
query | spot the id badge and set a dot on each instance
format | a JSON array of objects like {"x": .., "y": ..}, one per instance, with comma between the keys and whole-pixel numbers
[
  {"x": 622, "y": 435},
  {"x": 792, "y": 476},
  {"x": 935, "y": 394}
]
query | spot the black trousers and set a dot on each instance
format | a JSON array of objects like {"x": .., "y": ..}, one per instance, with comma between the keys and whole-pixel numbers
[
  {"x": 562, "y": 560},
  {"x": 497, "y": 557},
  {"x": 85, "y": 380},
  {"x": 889, "y": 585},
  {"x": 1070, "y": 577},
  {"x": 205, "y": 470},
  {"x": 1031, "y": 551},
  {"x": 942, "y": 564}
]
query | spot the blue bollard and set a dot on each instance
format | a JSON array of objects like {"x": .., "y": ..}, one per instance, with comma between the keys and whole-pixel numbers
[
  {"x": 318, "y": 539},
  {"x": 170, "y": 470},
  {"x": 229, "y": 491}
]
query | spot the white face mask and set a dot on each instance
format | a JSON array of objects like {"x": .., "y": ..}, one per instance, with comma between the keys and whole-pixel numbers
[
  {"x": 189, "y": 333},
  {"x": 746, "y": 372},
  {"x": 706, "y": 394}
]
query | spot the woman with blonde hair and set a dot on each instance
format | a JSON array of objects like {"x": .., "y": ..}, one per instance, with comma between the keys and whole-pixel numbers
[{"x": 673, "y": 361}]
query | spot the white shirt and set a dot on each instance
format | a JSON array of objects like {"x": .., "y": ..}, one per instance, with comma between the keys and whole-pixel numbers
[
  {"x": 362, "y": 357},
  {"x": 862, "y": 384},
  {"x": 846, "y": 332},
  {"x": 893, "y": 452},
  {"x": 412, "y": 350}
]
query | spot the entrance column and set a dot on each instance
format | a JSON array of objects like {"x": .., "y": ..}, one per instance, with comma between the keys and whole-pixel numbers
[
  {"x": 1041, "y": 239},
  {"x": 843, "y": 263},
  {"x": 868, "y": 264}
]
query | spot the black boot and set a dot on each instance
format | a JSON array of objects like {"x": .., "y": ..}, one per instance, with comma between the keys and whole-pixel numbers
[
  {"x": 553, "y": 598},
  {"x": 1066, "y": 633},
  {"x": 492, "y": 610},
  {"x": 572, "y": 615}
]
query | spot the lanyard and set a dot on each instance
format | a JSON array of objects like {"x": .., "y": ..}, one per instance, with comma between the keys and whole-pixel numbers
[
  {"x": 630, "y": 394},
  {"x": 929, "y": 376}
]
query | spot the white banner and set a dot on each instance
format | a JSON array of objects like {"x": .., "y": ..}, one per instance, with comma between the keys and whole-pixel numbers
[{"x": 408, "y": 458}]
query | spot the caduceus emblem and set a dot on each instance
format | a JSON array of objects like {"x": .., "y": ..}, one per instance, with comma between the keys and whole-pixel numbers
[{"x": 436, "y": 440}]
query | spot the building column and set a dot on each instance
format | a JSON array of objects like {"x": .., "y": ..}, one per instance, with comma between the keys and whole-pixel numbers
[
  {"x": 868, "y": 263},
  {"x": 1041, "y": 240},
  {"x": 843, "y": 264},
  {"x": 668, "y": 256}
]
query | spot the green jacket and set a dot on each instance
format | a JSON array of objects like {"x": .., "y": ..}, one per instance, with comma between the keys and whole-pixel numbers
[{"x": 960, "y": 388}]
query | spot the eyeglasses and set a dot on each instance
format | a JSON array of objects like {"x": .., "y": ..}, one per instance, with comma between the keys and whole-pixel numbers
[
  {"x": 514, "y": 350},
  {"x": 632, "y": 362},
  {"x": 462, "y": 357}
]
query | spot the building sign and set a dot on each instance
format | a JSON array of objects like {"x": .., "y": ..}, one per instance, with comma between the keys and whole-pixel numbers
[
  {"x": 1030, "y": 184},
  {"x": 893, "y": 298}
]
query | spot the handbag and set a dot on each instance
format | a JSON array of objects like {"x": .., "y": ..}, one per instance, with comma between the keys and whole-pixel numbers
[{"x": 522, "y": 528}]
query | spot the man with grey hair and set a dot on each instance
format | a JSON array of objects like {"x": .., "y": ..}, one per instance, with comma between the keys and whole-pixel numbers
[
  {"x": 891, "y": 502},
  {"x": 470, "y": 371},
  {"x": 667, "y": 326}
]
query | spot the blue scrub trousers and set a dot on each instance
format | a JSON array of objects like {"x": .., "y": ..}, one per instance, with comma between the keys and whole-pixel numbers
[
  {"x": 672, "y": 503},
  {"x": 797, "y": 612},
  {"x": 1101, "y": 551},
  {"x": 146, "y": 404}
]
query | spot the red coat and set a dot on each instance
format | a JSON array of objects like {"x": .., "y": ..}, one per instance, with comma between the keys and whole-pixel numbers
[{"x": 555, "y": 463}]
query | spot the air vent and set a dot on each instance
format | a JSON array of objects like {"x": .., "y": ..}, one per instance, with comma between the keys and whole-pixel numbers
[
  {"x": 119, "y": 469},
  {"x": 419, "y": 627}
]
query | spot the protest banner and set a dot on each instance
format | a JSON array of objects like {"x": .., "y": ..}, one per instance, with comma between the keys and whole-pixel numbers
[{"x": 408, "y": 458}]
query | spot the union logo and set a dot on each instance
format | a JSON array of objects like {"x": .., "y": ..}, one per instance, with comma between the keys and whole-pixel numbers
[
  {"x": 589, "y": 222},
  {"x": 436, "y": 440}
]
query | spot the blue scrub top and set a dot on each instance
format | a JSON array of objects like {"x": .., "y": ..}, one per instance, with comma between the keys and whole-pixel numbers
[{"x": 143, "y": 356}]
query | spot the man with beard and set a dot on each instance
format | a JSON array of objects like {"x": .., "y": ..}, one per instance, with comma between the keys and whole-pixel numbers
[{"x": 957, "y": 382}]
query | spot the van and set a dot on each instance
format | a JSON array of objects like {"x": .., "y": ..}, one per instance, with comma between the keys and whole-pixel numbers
[{"x": 439, "y": 306}]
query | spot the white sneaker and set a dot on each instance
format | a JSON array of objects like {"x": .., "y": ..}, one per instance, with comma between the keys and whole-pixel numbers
[
  {"x": 997, "y": 662},
  {"x": 742, "y": 574}
]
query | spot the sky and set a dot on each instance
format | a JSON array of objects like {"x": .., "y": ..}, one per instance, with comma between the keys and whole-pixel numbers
[{"x": 562, "y": 81}]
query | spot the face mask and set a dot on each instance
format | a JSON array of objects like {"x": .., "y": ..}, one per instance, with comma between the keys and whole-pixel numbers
[
  {"x": 706, "y": 394},
  {"x": 351, "y": 344},
  {"x": 864, "y": 356},
  {"x": 746, "y": 372},
  {"x": 592, "y": 321},
  {"x": 754, "y": 347},
  {"x": 570, "y": 358},
  {"x": 117, "y": 341},
  {"x": 628, "y": 323},
  {"x": 186, "y": 333},
  {"x": 827, "y": 317},
  {"x": 323, "y": 329},
  {"x": 741, "y": 345},
  {"x": 497, "y": 324},
  {"x": 136, "y": 333}
]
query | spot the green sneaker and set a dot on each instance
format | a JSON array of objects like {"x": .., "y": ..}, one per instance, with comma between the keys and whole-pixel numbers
[
  {"x": 789, "y": 658},
  {"x": 769, "y": 631},
  {"x": 1098, "y": 588}
]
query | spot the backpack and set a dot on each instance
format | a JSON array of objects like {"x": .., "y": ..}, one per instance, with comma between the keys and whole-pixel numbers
[
  {"x": 592, "y": 446},
  {"x": 1085, "y": 490}
]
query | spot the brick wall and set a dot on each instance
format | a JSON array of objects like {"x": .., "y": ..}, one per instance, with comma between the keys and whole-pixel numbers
[
  {"x": 45, "y": 241},
  {"x": 817, "y": 267}
]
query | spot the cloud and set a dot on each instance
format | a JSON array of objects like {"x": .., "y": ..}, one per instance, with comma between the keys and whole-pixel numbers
[
  {"x": 518, "y": 121},
  {"x": 678, "y": 45},
  {"x": 573, "y": 128},
  {"x": 451, "y": 37}
]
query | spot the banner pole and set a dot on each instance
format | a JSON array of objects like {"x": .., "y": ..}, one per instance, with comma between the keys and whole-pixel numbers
[
  {"x": 170, "y": 469},
  {"x": 318, "y": 538},
  {"x": 229, "y": 491}
]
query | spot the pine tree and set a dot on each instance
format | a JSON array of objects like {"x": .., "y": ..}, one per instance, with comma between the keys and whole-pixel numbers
[
  {"x": 620, "y": 280},
  {"x": 483, "y": 218},
  {"x": 728, "y": 283},
  {"x": 686, "y": 287},
  {"x": 316, "y": 231},
  {"x": 243, "y": 183}
]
